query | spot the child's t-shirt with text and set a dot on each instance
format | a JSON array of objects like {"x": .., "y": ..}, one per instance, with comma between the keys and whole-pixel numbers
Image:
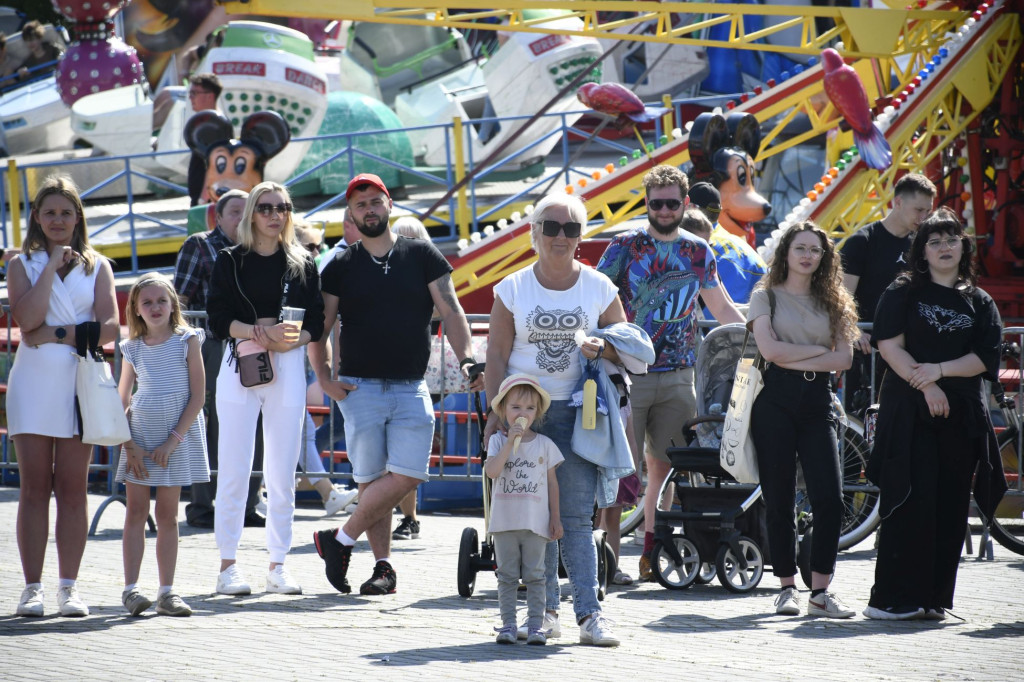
[{"x": 519, "y": 495}]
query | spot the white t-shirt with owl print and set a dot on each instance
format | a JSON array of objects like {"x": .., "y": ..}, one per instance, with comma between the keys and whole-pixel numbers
[{"x": 546, "y": 322}]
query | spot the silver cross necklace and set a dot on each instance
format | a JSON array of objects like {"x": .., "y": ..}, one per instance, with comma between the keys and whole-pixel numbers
[{"x": 383, "y": 262}]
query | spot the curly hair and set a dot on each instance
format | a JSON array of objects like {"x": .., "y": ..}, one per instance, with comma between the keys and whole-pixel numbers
[
  {"x": 942, "y": 221},
  {"x": 826, "y": 282},
  {"x": 666, "y": 176}
]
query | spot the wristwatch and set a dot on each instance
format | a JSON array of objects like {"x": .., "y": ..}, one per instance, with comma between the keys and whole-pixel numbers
[{"x": 60, "y": 333}]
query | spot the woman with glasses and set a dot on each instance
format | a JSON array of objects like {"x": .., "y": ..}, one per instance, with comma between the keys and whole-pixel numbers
[
  {"x": 252, "y": 282},
  {"x": 940, "y": 335},
  {"x": 536, "y": 313},
  {"x": 804, "y": 322}
]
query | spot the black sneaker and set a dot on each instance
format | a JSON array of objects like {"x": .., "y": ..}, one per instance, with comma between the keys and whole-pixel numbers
[
  {"x": 408, "y": 529},
  {"x": 336, "y": 557},
  {"x": 383, "y": 581}
]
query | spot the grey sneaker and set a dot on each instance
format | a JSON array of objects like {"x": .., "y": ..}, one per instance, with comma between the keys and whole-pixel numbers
[
  {"x": 70, "y": 603},
  {"x": 31, "y": 603},
  {"x": 536, "y": 637},
  {"x": 134, "y": 601},
  {"x": 597, "y": 631},
  {"x": 506, "y": 634},
  {"x": 171, "y": 604},
  {"x": 550, "y": 626},
  {"x": 788, "y": 602},
  {"x": 828, "y": 605}
]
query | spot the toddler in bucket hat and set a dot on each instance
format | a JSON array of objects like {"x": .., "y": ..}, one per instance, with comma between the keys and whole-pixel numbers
[{"x": 526, "y": 380}]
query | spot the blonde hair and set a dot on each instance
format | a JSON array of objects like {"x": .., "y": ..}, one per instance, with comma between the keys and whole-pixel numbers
[
  {"x": 35, "y": 238},
  {"x": 294, "y": 255},
  {"x": 136, "y": 325},
  {"x": 410, "y": 227},
  {"x": 570, "y": 202},
  {"x": 521, "y": 391}
]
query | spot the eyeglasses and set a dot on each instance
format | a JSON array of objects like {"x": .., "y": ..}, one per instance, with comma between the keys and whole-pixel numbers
[
  {"x": 670, "y": 204},
  {"x": 814, "y": 252},
  {"x": 311, "y": 247},
  {"x": 551, "y": 228},
  {"x": 949, "y": 242},
  {"x": 269, "y": 209}
]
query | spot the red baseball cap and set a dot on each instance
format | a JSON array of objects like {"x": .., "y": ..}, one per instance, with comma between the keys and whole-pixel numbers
[{"x": 366, "y": 179}]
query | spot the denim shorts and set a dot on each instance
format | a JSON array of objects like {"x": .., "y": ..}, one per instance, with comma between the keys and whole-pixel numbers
[{"x": 389, "y": 426}]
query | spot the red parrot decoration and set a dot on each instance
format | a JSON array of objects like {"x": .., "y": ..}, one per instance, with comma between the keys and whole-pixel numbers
[
  {"x": 615, "y": 100},
  {"x": 844, "y": 88}
]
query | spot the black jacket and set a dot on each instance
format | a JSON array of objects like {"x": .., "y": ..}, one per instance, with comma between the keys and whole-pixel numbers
[{"x": 227, "y": 302}]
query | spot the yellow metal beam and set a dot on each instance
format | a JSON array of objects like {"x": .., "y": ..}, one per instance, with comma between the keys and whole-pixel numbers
[{"x": 882, "y": 33}]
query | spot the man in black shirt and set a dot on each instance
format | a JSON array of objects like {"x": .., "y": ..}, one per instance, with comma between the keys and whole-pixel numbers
[
  {"x": 385, "y": 288},
  {"x": 872, "y": 257}
]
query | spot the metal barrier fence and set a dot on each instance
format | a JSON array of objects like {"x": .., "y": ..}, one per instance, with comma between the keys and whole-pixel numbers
[{"x": 15, "y": 199}]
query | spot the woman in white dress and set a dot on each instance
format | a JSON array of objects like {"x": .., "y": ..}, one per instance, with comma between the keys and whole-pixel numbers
[{"x": 57, "y": 282}]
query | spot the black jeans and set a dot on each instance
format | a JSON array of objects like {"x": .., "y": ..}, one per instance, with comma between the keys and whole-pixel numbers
[{"x": 793, "y": 417}]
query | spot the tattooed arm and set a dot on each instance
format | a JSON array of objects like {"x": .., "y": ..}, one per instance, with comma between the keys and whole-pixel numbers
[{"x": 456, "y": 328}]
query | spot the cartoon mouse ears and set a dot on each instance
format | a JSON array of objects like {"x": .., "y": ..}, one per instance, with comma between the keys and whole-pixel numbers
[
  {"x": 265, "y": 131},
  {"x": 711, "y": 133}
]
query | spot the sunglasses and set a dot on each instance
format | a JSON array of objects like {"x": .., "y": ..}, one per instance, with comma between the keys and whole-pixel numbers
[
  {"x": 312, "y": 248},
  {"x": 551, "y": 228},
  {"x": 658, "y": 204},
  {"x": 269, "y": 209}
]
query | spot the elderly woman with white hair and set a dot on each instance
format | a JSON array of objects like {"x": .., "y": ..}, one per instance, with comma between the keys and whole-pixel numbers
[{"x": 537, "y": 312}]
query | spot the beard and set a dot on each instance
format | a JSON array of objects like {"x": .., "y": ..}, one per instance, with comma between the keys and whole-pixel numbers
[
  {"x": 375, "y": 230},
  {"x": 665, "y": 229}
]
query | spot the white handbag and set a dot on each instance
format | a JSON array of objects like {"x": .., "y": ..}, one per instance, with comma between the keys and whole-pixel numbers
[
  {"x": 101, "y": 416},
  {"x": 737, "y": 452}
]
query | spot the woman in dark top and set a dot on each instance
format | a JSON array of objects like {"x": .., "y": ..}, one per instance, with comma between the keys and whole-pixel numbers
[
  {"x": 940, "y": 336},
  {"x": 252, "y": 281}
]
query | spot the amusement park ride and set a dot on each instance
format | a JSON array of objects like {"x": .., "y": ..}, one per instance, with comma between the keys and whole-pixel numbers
[{"x": 945, "y": 80}]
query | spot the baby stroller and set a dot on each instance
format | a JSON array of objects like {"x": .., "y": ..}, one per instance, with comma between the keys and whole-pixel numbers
[{"x": 718, "y": 527}]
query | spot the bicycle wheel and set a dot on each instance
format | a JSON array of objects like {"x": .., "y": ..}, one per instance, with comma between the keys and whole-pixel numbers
[
  {"x": 1008, "y": 525},
  {"x": 861, "y": 499},
  {"x": 632, "y": 518}
]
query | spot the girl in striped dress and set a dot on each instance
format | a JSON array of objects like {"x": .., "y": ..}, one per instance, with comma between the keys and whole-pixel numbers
[{"x": 168, "y": 445}]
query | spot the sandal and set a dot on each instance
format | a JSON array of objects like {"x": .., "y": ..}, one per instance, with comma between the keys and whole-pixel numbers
[{"x": 622, "y": 578}]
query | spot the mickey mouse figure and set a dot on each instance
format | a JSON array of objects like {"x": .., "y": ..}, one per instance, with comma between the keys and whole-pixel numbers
[
  {"x": 235, "y": 163},
  {"x": 722, "y": 150}
]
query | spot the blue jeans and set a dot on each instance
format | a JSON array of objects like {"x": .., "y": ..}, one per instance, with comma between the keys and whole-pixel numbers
[{"x": 577, "y": 490}]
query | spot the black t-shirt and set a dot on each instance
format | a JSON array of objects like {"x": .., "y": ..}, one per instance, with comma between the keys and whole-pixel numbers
[
  {"x": 876, "y": 256},
  {"x": 940, "y": 324},
  {"x": 385, "y": 316},
  {"x": 262, "y": 278}
]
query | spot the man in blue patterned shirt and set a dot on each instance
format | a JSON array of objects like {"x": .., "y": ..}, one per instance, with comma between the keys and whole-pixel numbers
[{"x": 660, "y": 272}]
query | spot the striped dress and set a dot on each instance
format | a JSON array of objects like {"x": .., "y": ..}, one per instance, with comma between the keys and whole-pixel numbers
[{"x": 162, "y": 375}]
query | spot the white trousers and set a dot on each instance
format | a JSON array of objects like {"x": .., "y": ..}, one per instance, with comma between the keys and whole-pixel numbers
[{"x": 283, "y": 403}]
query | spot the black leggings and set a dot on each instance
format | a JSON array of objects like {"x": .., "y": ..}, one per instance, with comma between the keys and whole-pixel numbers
[{"x": 793, "y": 417}]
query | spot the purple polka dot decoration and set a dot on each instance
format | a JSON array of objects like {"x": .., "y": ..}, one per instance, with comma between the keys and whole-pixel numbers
[
  {"x": 88, "y": 11},
  {"x": 91, "y": 66}
]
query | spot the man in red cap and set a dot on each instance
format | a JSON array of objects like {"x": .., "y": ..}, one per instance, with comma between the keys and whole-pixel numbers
[{"x": 391, "y": 286}]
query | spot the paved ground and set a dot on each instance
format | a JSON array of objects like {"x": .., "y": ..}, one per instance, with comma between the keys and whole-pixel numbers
[{"x": 426, "y": 631}]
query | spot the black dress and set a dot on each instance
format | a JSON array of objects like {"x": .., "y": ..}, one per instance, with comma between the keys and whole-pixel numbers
[{"x": 925, "y": 465}]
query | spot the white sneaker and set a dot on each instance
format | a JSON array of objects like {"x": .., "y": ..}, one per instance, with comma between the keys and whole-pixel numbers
[
  {"x": 788, "y": 602},
  {"x": 31, "y": 603},
  {"x": 70, "y": 603},
  {"x": 280, "y": 581},
  {"x": 261, "y": 505},
  {"x": 828, "y": 605},
  {"x": 550, "y": 626},
  {"x": 339, "y": 500},
  {"x": 597, "y": 631},
  {"x": 230, "y": 581}
]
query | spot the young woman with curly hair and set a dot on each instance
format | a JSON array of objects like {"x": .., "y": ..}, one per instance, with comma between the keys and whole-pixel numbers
[
  {"x": 806, "y": 338},
  {"x": 940, "y": 335}
]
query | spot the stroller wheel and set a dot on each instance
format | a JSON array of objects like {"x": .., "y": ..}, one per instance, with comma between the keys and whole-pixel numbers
[
  {"x": 676, "y": 576},
  {"x": 469, "y": 552},
  {"x": 733, "y": 575},
  {"x": 707, "y": 573},
  {"x": 803, "y": 556}
]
